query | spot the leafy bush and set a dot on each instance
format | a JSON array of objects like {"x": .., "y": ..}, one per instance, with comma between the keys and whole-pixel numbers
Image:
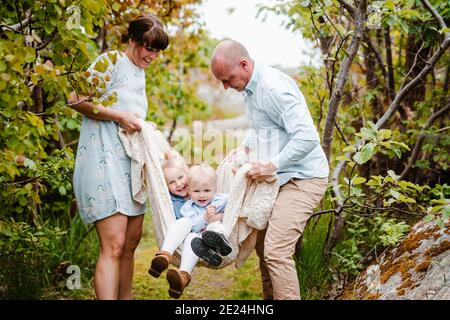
[{"x": 27, "y": 258}]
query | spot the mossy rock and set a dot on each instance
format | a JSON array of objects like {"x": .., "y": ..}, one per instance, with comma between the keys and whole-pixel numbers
[{"x": 418, "y": 269}]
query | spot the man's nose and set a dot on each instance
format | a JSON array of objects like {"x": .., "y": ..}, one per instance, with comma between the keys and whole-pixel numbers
[{"x": 225, "y": 85}]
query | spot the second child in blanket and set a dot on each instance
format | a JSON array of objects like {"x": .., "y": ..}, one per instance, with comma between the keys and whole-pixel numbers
[
  {"x": 200, "y": 228},
  {"x": 175, "y": 173}
]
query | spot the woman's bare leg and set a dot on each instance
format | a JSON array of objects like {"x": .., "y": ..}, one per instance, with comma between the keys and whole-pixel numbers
[
  {"x": 112, "y": 234},
  {"x": 133, "y": 236}
]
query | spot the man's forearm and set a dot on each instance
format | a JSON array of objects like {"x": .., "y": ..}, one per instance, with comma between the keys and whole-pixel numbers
[{"x": 293, "y": 152}]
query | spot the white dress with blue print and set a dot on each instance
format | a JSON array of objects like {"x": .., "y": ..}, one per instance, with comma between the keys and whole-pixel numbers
[{"x": 101, "y": 179}]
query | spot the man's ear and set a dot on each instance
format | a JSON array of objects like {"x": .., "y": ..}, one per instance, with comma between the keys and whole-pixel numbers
[{"x": 243, "y": 64}]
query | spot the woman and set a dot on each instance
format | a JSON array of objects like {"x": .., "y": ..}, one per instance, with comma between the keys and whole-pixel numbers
[{"x": 102, "y": 169}]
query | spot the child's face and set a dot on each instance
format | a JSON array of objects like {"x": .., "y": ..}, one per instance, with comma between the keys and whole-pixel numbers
[
  {"x": 202, "y": 193},
  {"x": 176, "y": 179}
]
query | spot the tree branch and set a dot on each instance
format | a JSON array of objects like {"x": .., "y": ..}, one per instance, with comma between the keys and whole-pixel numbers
[
  {"x": 47, "y": 41},
  {"x": 18, "y": 27},
  {"x": 435, "y": 14},
  {"x": 62, "y": 143},
  {"x": 348, "y": 6},
  {"x": 402, "y": 93},
  {"x": 377, "y": 55},
  {"x": 390, "y": 67},
  {"x": 421, "y": 138},
  {"x": 336, "y": 96}
]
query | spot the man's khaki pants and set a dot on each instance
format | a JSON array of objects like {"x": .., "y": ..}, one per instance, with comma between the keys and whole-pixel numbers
[{"x": 275, "y": 246}]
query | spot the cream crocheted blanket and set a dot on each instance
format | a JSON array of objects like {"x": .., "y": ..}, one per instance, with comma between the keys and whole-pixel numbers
[{"x": 248, "y": 208}]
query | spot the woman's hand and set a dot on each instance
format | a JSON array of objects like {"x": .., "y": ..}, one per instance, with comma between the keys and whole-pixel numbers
[{"x": 129, "y": 121}]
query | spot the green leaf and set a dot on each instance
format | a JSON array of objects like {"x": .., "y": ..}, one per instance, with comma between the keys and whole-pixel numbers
[
  {"x": 48, "y": 28},
  {"x": 440, "y": 223},
  {"x": 367, "y": 134},
  {"x": 116, "y": 7},
  {"x": 92, "y": 5},
  {"x": 5, "y": 76},
  {"x": 390, "y": 4},
  {"x": 58, "y": 10},
  {"x": 29, "y": 163},
  {"x": 373, "y": 183},
  {"x": 384, "y": 134},
  {"x": 62, "y": 190},
  {"x": 358, "y": 180},
  {"x": 372, "y": 125},
  {"x": 395, "y": 193},
  {"x": 401, "y": 144},
  {"x": 396, "y": 150},
  {"x": 446, "y": 213},
  {"x": 349, "y": 149},
  {"x": 343, "y": 158},
  {"x": 6, "y": 97},
  {"x": 365, "y": 154},
  {"x": 392, "y": 174},
  {"x": 30, "y": 54}
]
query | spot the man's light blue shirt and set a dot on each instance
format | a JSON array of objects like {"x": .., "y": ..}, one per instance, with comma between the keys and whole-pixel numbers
[
  {"x": 282, "y": 130},
  {"x": 195, "y": 212}
]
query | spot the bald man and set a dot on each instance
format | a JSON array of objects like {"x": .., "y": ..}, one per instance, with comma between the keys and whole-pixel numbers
[{"x": 285, "y": 140}]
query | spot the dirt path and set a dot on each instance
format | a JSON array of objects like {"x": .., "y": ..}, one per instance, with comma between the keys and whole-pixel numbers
[{"x": 223, "y": 284}]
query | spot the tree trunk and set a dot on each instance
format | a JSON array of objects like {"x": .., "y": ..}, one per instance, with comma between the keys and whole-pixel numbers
[
  {"x": 416, "y": 60},
  {"x": 372, "y": 80},
  {"x": 336, "y": 96}
]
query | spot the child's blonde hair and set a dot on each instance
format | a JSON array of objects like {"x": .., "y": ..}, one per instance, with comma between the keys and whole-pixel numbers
[
  {"x": 173, "y": 159},
  {"x": 202, "y": 173}
]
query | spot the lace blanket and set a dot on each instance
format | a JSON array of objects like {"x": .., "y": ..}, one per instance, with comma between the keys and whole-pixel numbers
[{"x": 248, "y": 209}]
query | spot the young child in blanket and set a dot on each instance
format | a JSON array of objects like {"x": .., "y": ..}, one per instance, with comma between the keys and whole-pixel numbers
[
  {"x": 175, "y": 173},
  {"x": 200, "y": 228}
]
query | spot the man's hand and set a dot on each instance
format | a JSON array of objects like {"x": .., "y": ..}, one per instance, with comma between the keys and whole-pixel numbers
[
  {"x": 129, "y": 121},
  {"x": 210, "y": 213},
  {"x": 260, "y": 170}
]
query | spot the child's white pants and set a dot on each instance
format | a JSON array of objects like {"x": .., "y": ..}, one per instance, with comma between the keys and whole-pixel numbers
[{"x": 181, "y": 231}]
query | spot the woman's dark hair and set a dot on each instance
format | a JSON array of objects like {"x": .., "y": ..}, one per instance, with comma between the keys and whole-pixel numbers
[{"x": 147, "y": 32}]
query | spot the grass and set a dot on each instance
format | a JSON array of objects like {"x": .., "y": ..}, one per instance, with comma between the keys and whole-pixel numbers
[{"x": 312, "y": 266}]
